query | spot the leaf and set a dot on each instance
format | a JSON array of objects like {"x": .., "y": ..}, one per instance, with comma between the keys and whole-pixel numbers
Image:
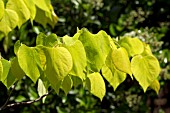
[
  {"x": 79, "y": 59},
  {"x": 121, "y": 60},
  {"x": 49, "y": 41},
  {"x": 41, "y": 89},
  {"x": 59, "y": 64},
  {"x": 29, "y": 62},
  {"x": 133, "y": 45},
  {"x": 76, "y": 81},
  {"x": 21, "y": 9},
  {"x": 97, "y": 47},
  {"x": 16, "y": 70},
  {"x": 67, "y": 84},
  {"x": 1, "y": 70},
  {"x": 145, "y": 69},
  {"x": 31, "y": 6},
  {"x": 155, "y": 86},
  {"x": 16, "y": 46},
  {"x": 96, "y": 85},
  {"x": 2, "y": 9},
  {"x": 45, "y": 18},
  {"x": 7, "y": 78},
  {"x": 8, "y": 21},
  {"x": 42, "y": 4},
  {"x": 114, "y": 76}
]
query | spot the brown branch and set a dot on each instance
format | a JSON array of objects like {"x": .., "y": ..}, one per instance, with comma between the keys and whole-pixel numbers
[{"x": 26, "y": 103}]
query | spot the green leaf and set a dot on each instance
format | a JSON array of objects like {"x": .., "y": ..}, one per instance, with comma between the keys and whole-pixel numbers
[
  {"x": 121, "y": 60},
  {"x": 8, "y": 21},
  {"x": 96, "y": 85},
  {"x": 20, "y": 8},
  {"x": 155, "y": 86},
  {"x": 76, "y": 81},
  {"x": 97, "y": 47},
  {"x": 79, "y": 59},
  {"x": 145, "y": 69},
  {"x": 67, "y": 84},
  {"x": 1, "y": 70},
  {"x": 59, "y": 64},
  {"x": 16, "y": 69},
  {"x": 114, "y": 76},
  {"x": 42, "y": 4},
  {"x": 2, "y": 9},
  {"x": 41, "y": 89},
  {"x": 16, "y": 46},
  {"x": 31, "y": 6},
  {"x": 7, "y": 77},
  {"x": 45, "y": 18},
  {"x": 133, "y": 45},
  {"x": 29, "y": 62},
  {"x": 49, "y": 41}
]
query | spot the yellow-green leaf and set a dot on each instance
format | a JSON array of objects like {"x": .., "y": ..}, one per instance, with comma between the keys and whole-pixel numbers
[
  {"x": 79, "y": 59},
  {"x": 155, "y": 86},
  {"x": 2, "y": 9},
  {"x": 7, "y": 77},
  {"x": 41, "y": 89},
  {"x": 16, "y": 69},
  {"x": 97, "y": 47},
  {"x": 145, "y": 69},
  {"x": 114, "y": 76},
  {"x": 58, "y": 64},
  {"x": 43, "y": 5},
  {"x": 133, "y": 45},
  {"x": 29, "y": 62},
  {"x": 31, "y": 6},
  {"x": 96, "y": 85},
  {"x": 1, "y": 70},
  {"x": 67, "y": 84},
  {"x": 121, "y": 60},
  {"x": 21, "y": 9},
  {"x": 8, "y": 21}
]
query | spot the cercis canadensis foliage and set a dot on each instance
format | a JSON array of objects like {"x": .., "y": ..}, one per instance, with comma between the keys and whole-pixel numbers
[{"x": 86, "y": 58}]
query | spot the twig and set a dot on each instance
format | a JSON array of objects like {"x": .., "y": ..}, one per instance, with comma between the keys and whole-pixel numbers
[
  {"x": 6, "y": 102},
  {"x": 28, "y": 102}
]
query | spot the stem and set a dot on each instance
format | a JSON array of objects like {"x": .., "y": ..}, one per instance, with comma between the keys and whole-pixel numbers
[{"x": 24, "y": 103}]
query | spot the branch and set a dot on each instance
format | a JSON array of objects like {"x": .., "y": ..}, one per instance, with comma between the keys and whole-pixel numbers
[{"x": 26, "y": 103}]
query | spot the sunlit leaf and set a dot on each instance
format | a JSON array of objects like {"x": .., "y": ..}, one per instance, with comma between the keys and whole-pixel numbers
[
  {"x": 145, "y": 69},
  {"x": 67, "y": 84},
  {"x": 97, "y": 47},
  {"x": 16, "y": 46},
  {"x": 9, "y": 21},
  {"x": 7, "y": 77},
  {"x": 59, "y": 64},
  {"x": 41, "y": 89},
  {"x": 45, "y": 18},
  {"x": 43, "y": 5},
  {"x": 96, "y": 85},
  {"x": 31, "y": 6},
  {"x": 133, "y": 45},
  {"x": 48, "y": 41},
  {"x": 79, "y": 59},
  {"x": 21, "y": 9},
  {"x": 114, "y": 76},
  {"x": 2, "y": 9},
  {"x": 121, "y": 60},
  {"x": 29, "y": 62},
  {"x": 1, "y": 70},
  {"x": 155, "y": 86}
]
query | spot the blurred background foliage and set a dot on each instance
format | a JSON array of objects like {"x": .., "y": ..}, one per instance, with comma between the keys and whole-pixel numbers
[{"x": 147, "y": 19}]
